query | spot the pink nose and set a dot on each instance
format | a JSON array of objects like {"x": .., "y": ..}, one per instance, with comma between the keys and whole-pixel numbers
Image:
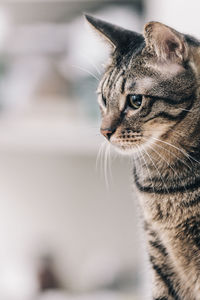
[{"x": 107, "y": 132}]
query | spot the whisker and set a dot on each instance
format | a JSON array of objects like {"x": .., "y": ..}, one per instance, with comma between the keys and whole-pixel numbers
[
  {"x": 109, "y": 161},
  {"x": 184, "y": 109},
  {"x": 178, "y": 158},
  {"x": 182, "y": 151},
  {"x": 156, "y": 169},
  {"x": 188, "y": 156},
  {"x": 147, "y": 168},
  {"x": 99, "y": 157},
  {"x": 141, "y": 163},
  {"x": 106, "y": 173},
  {"x": 168, "y": 165},
  {"x": 179, "y": 149},
  {"x": 87, "y": 71},
  {"x": 91, "y": 62},
  {"x": 189, "y": 110}
]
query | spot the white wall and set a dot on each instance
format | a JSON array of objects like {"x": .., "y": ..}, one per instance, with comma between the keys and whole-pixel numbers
[{"x": 183, "y": 15}]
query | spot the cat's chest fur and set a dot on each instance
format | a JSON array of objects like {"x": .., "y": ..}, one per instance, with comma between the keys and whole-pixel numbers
[{"x": 160, "y": 210}]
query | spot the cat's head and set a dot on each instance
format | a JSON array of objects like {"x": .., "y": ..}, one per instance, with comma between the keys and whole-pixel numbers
[{"x": 149, "y": 86}]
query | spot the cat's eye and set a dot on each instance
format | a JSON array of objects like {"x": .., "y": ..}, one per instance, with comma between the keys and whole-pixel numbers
[{"x": 134, "y": 101}]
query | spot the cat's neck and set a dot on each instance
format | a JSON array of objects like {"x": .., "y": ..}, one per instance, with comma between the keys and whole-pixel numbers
[{"x": 165, "y": 170}]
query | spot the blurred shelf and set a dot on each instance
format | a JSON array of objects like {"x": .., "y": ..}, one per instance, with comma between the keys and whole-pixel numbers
[
  {"x": 52, "y": 295},
  {"x": 49, "y": 11}
]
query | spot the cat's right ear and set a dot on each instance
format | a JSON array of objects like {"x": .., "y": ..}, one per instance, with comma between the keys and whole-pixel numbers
[{"x": 116, "y": 36}]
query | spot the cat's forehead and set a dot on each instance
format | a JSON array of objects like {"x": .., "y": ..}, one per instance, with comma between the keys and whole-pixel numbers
[
  {"x": 145, "y": 69},
  {"x": 139, "y": 73},
  {"x": 129, "y": 72}
]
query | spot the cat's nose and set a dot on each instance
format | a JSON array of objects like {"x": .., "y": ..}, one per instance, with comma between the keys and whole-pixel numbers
[{"x": 107, "y": 132}]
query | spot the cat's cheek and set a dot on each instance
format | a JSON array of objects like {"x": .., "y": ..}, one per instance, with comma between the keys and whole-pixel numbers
[{"x": 155, "y": 128}]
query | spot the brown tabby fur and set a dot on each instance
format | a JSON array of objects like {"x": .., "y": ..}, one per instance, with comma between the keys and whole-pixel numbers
[{"x": 163, "y": 137}]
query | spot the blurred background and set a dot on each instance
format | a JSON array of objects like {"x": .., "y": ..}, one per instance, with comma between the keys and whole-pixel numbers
[{"x": 69, "y": 222}]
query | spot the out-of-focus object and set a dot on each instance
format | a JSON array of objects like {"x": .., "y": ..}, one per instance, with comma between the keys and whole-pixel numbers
[
  {"x": 52, "y": 200},
  {"x": 46, "y": 275},
  {"x": 104, "y": 295}
]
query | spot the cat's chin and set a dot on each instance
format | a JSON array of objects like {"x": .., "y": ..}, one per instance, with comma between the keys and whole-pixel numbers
[{"x": 125, "y": 150}]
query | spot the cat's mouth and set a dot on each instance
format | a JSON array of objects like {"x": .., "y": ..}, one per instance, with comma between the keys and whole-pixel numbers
[
  {"x": 126, "y": 145},
  {"x": 132, "y": 142},
  {"x": 129, "y": 141}
]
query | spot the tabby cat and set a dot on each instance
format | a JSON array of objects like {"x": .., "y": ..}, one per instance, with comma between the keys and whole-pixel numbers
[{"x": 149, "y": 98}]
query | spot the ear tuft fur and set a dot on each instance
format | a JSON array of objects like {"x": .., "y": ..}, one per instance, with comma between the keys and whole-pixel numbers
[{"x": 167, "y": 43}]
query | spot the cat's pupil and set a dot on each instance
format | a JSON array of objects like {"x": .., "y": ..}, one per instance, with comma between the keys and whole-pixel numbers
[{"x": 134, "y": 101}]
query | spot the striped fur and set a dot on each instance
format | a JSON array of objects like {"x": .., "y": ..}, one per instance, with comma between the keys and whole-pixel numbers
[{"x": 163, "y": 137}]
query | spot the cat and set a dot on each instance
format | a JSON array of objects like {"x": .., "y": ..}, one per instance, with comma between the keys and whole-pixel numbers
[{"x": 149, "y": 99}]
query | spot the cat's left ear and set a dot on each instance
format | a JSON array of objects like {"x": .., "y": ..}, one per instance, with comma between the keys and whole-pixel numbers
[
  {"x": 116, "y": 36},
  {"x": 167, "y": 43}
]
